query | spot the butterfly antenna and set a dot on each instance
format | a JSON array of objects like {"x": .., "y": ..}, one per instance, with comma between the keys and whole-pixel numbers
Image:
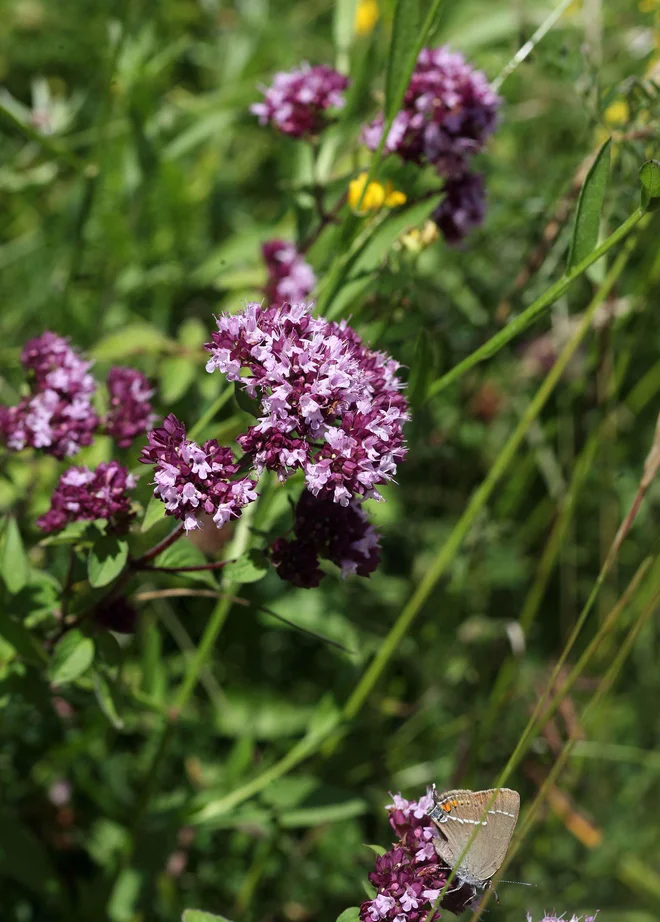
[{"x": 521, "y": 883}]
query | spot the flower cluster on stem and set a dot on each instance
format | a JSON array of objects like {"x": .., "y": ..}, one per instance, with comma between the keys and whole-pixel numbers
[
  {"x": 298, "y": 101},
  {"x": 85, "y": 495},
  {"x": 290, "y": 278}
]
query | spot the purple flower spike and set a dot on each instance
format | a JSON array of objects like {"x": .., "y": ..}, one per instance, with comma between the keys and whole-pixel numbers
[
  {"x": 58, "y": 415},
  {"x": 448, "y": 113},
  {"x": 463, "y": 207},
  {"x": 290, "y": 278},
  {"x": 297, "y": 101},
  {"x": 329, "y": 405},
  {"x": 130, "y": 411},
  {"x": 191, "y": 479},
  {"x": 84, "y": 495},
  {"x": 410, "y": 876}
]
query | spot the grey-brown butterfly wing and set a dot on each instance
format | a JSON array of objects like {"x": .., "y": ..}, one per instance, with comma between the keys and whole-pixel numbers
[{"x": 458, "y": 813}]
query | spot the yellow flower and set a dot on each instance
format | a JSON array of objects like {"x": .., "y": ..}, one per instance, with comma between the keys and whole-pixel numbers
[
  {"x": 617, "y": 113},
  {"x": 418, "y": 239},
  {"x": 366, "y": 16},
  {"x": 375, "y": 197}
]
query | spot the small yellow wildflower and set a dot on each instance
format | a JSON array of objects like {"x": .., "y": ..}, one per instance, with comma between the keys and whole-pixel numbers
[
  {"x": 375, "y": 197},
  {"x": 418, "y": 239},
  {"x": 366, "y": 16},
  {"x": 617, "y": 113}
]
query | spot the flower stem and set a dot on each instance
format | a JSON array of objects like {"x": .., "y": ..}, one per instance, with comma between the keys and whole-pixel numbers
[
  {"x": 212, "y": 411},
  {"x": 139, "y": 562}
]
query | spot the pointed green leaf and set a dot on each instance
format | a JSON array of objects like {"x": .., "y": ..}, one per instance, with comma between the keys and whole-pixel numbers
[
  {"x": 349, "y": 915},
  {"x": 183, "y": 553},
  {"x": 377, "y": 849},
  {"x": 155, "y": 512},
  {"x": 106, "y": 699},
  {"x": 106, "y": 560},
  {"x": 249, "y": 568},
  {"x": 589, "y": 208},
  {"x": 403, "y": 52},
  {"x": 649, "y": 176},
  {"x": 197, "y": 915},
  {"x": 19, "y": 638},
  {"x": 72, "y": 656},
  {"x": 14, "y": 564},
  {"x": 344, "y": 28}
]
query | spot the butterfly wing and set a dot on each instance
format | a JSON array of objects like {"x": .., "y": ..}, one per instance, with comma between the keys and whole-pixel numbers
[{"x": 457, "y": 814}]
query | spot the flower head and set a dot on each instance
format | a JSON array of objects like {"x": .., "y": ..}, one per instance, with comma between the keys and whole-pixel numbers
[
  {"x": 58, "y": 415},
  {"x": 329, "y": 405},
  {"x": 463, "y": 207},
  {"x": 375, "y": 196},
  {"x": 553, "y": 917},
  {"x": 290, "y": 278},
  {"x": 191, "y": 478},
  {"x": 326, "y": 529},
  {"x": 366, "y": 16},
  {"x": 448, "y": 112},
  {"x": 130, "y": 411},
  {"x": 297, "y": 102},
  {"x": 85, "y": 495},
  {"x": 410, "y": 876}
]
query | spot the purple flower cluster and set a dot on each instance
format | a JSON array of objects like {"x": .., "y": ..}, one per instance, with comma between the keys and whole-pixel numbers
[
  {"x": 553, "y": 917},
  {"x": 290, "y": 278},
  {"x": 448, "y": 113},
  {"x": 330, "y": 406},
  {"x": 463, "y": 207},
  {"x": 326, "y": 529},
  {"x": 130, "y": 412},
  {"x": 191, "y": 478},
  {"x": 297, "y": 101},
  {"x": 84, "y": 495},
  {"x": 410, "y": 876},
  {"x": 57, "y": 415}
]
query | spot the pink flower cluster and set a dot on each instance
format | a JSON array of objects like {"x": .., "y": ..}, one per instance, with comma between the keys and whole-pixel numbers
[
  {"x": 297, "y": 101},
  {"x": 191, "y": 478},
  {"x": 130, "y": 411},
  {"x": 410, "y": 877},
  {"x": 330, "y": 406},
  {"x": 290, "y": 278},
  {"x": 58, "y": 416},
  {"x": 84, "y": 495},
  {"x": 326, "y": 529},
  {"x": 448, "y": 113}
]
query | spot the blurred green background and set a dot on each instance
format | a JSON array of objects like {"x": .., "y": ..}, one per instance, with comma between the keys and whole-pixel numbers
[{"x": 131, "y": 258}]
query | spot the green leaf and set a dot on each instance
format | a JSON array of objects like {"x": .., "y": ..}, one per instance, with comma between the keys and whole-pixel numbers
[
  {"x": 177, "y": 373},
  {"x": 245, "y": 402},
  {"x": 589, "y": 208},
  {"x": 197, "y": 915},
  {"x": 106, "y": 560},
  {"x": 183, "y": 553},
  {"x": 249, "y": 568},
  {"x": 72, "y": 656},
  {"x": 134, "y": 339},
  {"x": 649, "y": 176},
  {"x": 326, "y": 813},
  {"x": 403, "y": 52},
  {"x": 423, "y": 369},
  {"x": 23, "y": 856},
  {"x": 106, "y": 699},
  {"x": 377, "y": 849},
  {"x": 14, "y": 564},
  {"x": 155, "y": 513},
  {"x": 379, "y": 245},
  {"x": 73, "y": 533},
  {"x": 349, "y": 915},
  {"x": 19, "y": 638}
]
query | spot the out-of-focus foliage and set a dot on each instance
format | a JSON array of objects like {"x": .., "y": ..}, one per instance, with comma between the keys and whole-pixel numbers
[{"x": 132, "y": 210}]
